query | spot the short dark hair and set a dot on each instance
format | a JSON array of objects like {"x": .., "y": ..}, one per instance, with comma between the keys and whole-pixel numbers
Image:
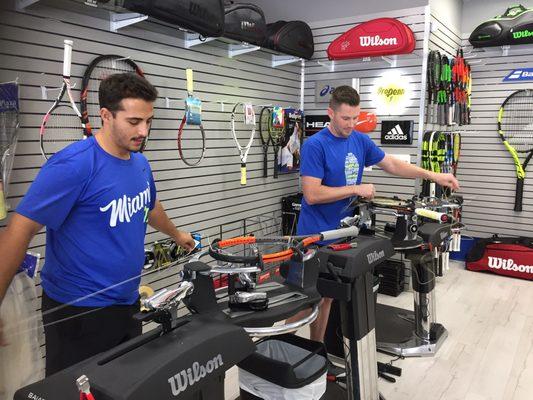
[
  {"x": 344, "y": 95},
  {"x": 117, "y": 87}
]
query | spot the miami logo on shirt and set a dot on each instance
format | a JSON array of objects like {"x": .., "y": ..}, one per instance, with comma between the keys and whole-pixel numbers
[{"x": 124, "y": 208}]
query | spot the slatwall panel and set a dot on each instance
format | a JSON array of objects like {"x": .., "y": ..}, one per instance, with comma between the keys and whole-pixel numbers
[
  {"x": 486, "y": 169},
  {"x": 207, "y": 199},
  {"x": 410, "y": 66}
]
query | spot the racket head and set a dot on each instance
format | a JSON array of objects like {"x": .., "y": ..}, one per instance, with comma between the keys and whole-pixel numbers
[
  {"x": 60, "y": 127},
  {"x": 264, "y": 126},
  {"x": 515, "y": 121},
  {"x": 98, "y": 70},
  {"x": 191, "y": 146}
]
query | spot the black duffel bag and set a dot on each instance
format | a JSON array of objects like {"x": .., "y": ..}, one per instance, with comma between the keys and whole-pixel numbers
[
  {"x": 203, "y": 16},
  {"x": 290, "y": 37},
  {"x": 244, "y": 22}
]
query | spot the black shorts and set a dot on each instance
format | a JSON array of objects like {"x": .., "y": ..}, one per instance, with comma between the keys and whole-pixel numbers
[{"x": 82, "y": 336}]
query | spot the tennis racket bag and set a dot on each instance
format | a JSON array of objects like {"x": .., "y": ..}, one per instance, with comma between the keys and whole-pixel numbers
[
  {"x": 245, "y": 23},
  {"x": 205, "y": 17},
  {"x": 503, "y": 256},
  {"x": 377, "y": 37},
  {"x": 515, "y": 26},
  {"x": 293, "y": 37}
]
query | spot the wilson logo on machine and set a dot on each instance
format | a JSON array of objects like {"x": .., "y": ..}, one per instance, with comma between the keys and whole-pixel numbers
[
  {"x": 509, "y": 265},
  {"x": 33, "y": 396},
  {"x": 375, "y": 256},
  {"x": 247, "y": 25},
  {"x": 366, "y": 41},
  {"x": 190, "y": 376}
]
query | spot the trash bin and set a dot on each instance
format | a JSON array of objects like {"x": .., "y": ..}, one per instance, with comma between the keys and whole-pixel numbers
[{"x": 286, "y": 367}]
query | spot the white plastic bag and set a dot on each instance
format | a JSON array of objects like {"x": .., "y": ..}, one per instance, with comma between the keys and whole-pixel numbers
[
  {"x": 21, "y": 361},
  {"x": 269, "y": 391}
]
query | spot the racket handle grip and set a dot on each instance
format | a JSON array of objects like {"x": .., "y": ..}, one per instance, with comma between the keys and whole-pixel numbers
[
  {"x": 276, "y": 163},
  {"x": 243, "y": 174},
  {"x": 434, "y": 215},
  {"x": 3, "y": 209},
  {"x": 265, "y": 164},
  {"x": 188, "y": 73},
  {"x": 340, "y": 233},
  {"x": 519, "y": 195},
  {"x": 67, "y": 57}
]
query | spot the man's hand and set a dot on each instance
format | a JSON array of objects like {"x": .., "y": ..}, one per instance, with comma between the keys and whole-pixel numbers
[
  {"x": 366, "y": 190},
  {"x": 185, "y": 240},
  {"x": 446, "y": 180}
]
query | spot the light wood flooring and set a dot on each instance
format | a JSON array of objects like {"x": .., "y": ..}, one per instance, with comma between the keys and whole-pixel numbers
[{"x": 488, "y": 354}]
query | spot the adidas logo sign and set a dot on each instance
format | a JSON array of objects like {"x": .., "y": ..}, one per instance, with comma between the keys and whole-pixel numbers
[{"x": 396, "y": 133}]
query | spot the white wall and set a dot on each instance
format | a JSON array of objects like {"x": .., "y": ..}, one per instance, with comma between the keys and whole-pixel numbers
[{"x": 449, "y": 11}]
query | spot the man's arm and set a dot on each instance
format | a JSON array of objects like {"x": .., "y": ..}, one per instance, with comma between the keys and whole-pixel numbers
[
  {"x": 158, "y": 219},
  {"x": 395, "y": 166},
  {"x": 317, "y": 193}
]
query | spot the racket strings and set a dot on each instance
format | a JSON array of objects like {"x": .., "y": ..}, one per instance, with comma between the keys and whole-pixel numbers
[
  {"x": 101, "y": 71},
  {"x": 62, "y": 126},
  {"x": 517, "y": 121}
]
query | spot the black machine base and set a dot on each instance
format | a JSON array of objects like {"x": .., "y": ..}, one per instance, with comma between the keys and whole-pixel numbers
[{"x": 395, "y": 333}]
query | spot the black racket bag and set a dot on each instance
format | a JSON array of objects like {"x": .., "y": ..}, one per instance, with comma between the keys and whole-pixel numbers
[
  {"x": 293, "y": 37},
  {"x": 203, "y": 16},
  {"x": 515, "y": 26},
  {"x": 245, "y": 23}
]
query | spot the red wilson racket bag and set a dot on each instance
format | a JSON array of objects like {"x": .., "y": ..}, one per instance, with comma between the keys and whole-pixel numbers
[
  {"x": 378, "y": 37},
  {"x": 205, "y": 17},
  {"x": 245, "y": 23},
  {"x": 293, "y": 37},
  {"x": 503, "y": 256}
]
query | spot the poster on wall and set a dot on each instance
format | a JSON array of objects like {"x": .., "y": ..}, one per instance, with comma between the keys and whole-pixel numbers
[
  {"x": 315, "y": 123},
  {"x": 397, "y": 132},
  {"x": 291, "y": 142},
  {"x": 392, "y": 93},
  {"x": 323, "y": 89},
  {"x": 519, "y": 75}
]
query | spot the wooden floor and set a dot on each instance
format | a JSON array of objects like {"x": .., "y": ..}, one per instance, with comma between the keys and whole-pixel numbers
[{"x": 488, "y": 354}]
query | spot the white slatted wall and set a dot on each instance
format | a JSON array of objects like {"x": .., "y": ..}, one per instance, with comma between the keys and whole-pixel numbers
[
  {"x": 410, "y": 66},
  {"x": 486, "y": 169},
  {"x": 208, "y": 198}
]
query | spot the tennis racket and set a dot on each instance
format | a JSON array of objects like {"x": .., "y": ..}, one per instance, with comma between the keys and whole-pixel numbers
[
  {"x": 264, "y": 135},
  {"x": 433, "y": 79},
  {"x": 276, "y": 132},
  {"x": 8, "y": 135},
  {"x": 193, "y": 110},
  {"x": 63, "y": 119},
  {"x": 243, "y": 151},
  {"x": 99, "y": 69},
  {"x": 295, "y": 246},
  {"x": 456, "y": 151},
  {"x": 515, "y": 126}
]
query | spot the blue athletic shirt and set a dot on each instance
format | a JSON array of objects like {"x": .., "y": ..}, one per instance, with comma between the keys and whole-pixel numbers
[
  {"x": 95, "y": 208},
  {"x": 337, "y": 162}
]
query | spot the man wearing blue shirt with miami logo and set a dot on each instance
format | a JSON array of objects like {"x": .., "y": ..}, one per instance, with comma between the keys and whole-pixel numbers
[{"x": 96, "y": 198}]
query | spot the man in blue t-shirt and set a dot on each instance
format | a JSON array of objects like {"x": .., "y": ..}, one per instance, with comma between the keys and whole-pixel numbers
[
  {"x": 95, "y": 198},
  {"x": 332, "y": 172}
]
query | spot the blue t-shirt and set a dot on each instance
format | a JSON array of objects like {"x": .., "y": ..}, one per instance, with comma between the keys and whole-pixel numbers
[
  {"x": 337, "y": 162},
  {"x": 95, "y": 208}
]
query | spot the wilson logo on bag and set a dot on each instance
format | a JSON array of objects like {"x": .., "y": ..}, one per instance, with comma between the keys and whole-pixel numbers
[{"x": 378, "y": 37}]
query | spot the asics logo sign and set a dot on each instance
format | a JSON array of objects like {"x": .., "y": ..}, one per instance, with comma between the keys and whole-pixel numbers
[
  {"x": 327, "y": 90},
  {"x": 374, "y": 41}
]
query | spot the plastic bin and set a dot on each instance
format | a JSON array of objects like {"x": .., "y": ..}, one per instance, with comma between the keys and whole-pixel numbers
[
  {"x": 286, "y": 367},
  {"x": 467, "y": 243}
]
